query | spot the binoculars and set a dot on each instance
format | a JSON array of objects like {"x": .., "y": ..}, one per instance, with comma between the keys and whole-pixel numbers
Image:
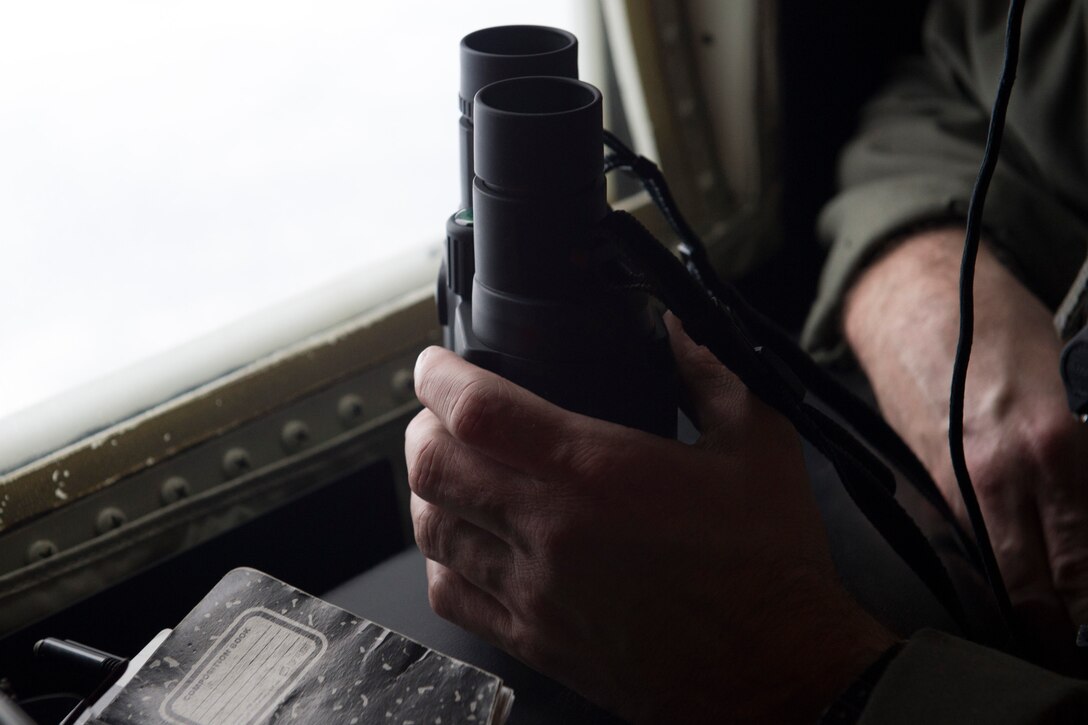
[
  {"x": 522, "y": 290},
  {"x": 545, "y": 285}
]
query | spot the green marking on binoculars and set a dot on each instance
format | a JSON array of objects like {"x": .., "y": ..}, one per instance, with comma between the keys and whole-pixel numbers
[{"x": 463, "y": 218}]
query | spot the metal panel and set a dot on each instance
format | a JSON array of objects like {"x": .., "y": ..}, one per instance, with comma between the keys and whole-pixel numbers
[
  {"x": 699, "y": 84},
  {"x": 210, "y": 461}
]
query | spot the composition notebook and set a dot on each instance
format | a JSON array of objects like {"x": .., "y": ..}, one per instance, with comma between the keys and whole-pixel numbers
[{"x": 256, "y": 650}]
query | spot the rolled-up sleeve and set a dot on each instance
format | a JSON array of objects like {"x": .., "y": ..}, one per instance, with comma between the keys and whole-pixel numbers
[{"x": 919, "y": 145}]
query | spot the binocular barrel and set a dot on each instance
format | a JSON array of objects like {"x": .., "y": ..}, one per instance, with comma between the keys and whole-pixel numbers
[
  {"x": 522, "y": 292},
  {"x": 539, "y": 185},
  {"x": 488, "y": 56}
]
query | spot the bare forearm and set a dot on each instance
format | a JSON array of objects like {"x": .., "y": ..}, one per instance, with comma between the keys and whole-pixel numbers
[
  {"x": 901, "y": 319},
  {"x": 1025, "y": 451}
]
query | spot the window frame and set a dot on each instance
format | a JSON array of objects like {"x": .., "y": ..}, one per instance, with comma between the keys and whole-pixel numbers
[{"x": 335, "y": 336}]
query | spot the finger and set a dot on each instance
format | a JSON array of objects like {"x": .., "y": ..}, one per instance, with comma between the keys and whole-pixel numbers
[
  {"x": 462, "y": 480},
  {"x": 457, "y": 600},
  {"x": 1019, "y": 545},
  {"x": 472, "y": 552},
  {"x": 1064, "y": 514},
  {"x": 497, "y": 418},
  {"x": 718, "y": 398}
]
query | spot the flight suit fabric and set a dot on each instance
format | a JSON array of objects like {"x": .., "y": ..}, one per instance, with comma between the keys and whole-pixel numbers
[
  {"x": 938, "y": 678},
  {"x": 920, "y": 143}
]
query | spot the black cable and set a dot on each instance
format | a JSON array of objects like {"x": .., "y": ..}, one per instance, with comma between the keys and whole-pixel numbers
[
  {"x": 49, "y": 698},
  {"x": 967, "y": 310},
  {"x": 11, "y": 713},
  {"x": 691, "y": 247},
  {"x": 869, "y": 424},
  {"x": 88, "y": 666},
  {"x": 865, "y": 421},
  {"x": 860, "y": 417},
  {"x": 645, "y": 263}
]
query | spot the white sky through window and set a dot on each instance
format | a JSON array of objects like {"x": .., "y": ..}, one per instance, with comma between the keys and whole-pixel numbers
[{"x": 167, "y": 168}]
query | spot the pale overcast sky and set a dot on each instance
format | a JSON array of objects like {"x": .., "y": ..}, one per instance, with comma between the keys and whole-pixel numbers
[{"x": 170, "y": 167}]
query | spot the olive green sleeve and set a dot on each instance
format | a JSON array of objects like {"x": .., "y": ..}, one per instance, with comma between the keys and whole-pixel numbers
[
  {"x": 938, "y": 678},
  {"x": 919, "y": 145}
]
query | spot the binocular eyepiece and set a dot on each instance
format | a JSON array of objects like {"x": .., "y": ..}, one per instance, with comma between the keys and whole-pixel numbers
[
  {"x": 497, "y": 54},
  {"x": 522, "y": 291}
]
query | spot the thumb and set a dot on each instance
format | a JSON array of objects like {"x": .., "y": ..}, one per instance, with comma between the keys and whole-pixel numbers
[{"x": 713, "y": 397}]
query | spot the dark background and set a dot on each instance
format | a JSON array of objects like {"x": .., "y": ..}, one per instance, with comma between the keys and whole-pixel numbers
[{"x": 833, "y": 56}]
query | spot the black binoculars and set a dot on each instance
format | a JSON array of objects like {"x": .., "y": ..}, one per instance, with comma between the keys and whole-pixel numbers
[
  {"x": 545, "y": 285},
  {"x": 521, "y": 290}
]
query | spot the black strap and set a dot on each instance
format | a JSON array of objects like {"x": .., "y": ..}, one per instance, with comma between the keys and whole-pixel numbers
[
  {"x": 862, "y": 419},
  {"x": 644, "y": 263}
]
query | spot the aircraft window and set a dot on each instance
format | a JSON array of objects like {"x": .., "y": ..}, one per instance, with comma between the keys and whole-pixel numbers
[
  {"x": 170, "y": 168},
  {"x": 221, "y": 224}
]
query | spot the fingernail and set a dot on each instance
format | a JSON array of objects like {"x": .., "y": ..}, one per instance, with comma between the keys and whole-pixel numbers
[{"x": 419, "y": 363}]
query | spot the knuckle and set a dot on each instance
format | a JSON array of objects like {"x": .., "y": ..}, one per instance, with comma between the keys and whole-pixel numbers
[
  {"x": 525, "y": 639},
  {"x": 1070, "y": 575},
  {"x": 989, "y": 477},
  {"x": 988, "y": 481},
  {"x": 588, "y": 459},
  {"x": 431, "y": 529},
  {"x": 425, "y": 467},
  {"x": 442, "y": 597},
  {"x": 1039, "y": 445},
  {"x": 492, "y": 574},
  {"x": 471, "y": 415},
  {"x": 526, "y": 587},
  {"x": 1052, "y": 441},
  {"x": 553, "y": 541}
]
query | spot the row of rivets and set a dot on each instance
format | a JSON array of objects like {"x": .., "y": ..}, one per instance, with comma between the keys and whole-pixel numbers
[{"x": 294, "y": 436}]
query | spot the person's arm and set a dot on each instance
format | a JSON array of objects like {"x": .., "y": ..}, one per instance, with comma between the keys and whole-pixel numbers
[
  {"x": 919, "y": 144},
  {"x": 1025, "y": 450},
  {"x": 666, "y": 582},
  {"x": 913, "y": 164}
]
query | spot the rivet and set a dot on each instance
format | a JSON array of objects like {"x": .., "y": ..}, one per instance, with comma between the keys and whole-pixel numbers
[
  {"x": 294, "y": 436},
  {"x": 108, "y": 519},
  {"x": 40, "y": 550},
  {"x": 350, "y": 409},
  {"x": 174, "y": 489},
  {"x": 236, "y": 462}
]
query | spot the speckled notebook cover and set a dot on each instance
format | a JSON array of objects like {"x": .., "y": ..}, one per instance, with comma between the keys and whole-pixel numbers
[{"x": 256, "y": 650}]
